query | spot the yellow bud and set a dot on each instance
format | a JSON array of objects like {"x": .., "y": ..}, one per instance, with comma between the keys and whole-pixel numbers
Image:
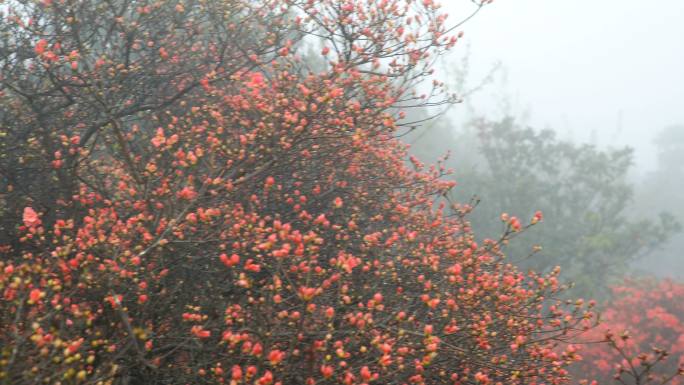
[{"x": 69, "y": 373}]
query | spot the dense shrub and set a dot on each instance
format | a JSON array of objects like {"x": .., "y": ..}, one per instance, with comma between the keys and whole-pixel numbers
[
  {"x": 186, "y": 202},
  {"x": 644, "y": 327}
]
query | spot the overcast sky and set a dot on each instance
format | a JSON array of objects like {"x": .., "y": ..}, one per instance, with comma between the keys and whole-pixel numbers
[{"x": 613, "y": 67}]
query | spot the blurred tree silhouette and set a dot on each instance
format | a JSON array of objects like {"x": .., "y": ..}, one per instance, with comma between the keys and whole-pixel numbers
[
  {"x": 661, "y": 190},
  {"x": 582, "y": 191}
]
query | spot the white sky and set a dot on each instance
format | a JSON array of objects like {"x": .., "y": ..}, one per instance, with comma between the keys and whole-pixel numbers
[{"x": 577, "y": 65}]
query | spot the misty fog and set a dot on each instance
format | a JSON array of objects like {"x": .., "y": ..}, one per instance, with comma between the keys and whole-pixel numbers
[
  {"x": 607, "y": 71},
  {"x": 607, "y": 74}
]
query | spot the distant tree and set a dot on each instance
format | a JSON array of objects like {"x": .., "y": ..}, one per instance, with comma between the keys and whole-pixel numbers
[
  {"x": 661, "y": 190},
  {"x": 582, "y": 191},
  {"x": 670, "y": 143}
]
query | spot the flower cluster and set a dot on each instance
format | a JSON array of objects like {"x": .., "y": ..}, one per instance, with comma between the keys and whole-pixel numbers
[
  {"x": 221, "y": 213},
  {"x": 644, "y": 333}
]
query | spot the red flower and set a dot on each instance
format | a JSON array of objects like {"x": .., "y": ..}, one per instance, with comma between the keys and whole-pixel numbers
[
  {"x": 35, "y": 295},
  {"x": 327, "y": 371},
  {"x": 40, "y": 46},
  {"x": 229, "y": 261},
  {"x": 187, "y": 194},
  {"x": 275, "y": 357},
  {"x": 236, "y": 372},
  {"x": 30, "y": 217}
]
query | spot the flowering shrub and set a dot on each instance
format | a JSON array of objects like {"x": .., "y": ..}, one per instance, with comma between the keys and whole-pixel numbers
[
  {"x": 644, "y": 332},
  {"x": 185, "y": 201}
]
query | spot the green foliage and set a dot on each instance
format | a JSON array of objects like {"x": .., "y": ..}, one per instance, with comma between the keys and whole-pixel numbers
[{"x": 583, "y": 192}]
